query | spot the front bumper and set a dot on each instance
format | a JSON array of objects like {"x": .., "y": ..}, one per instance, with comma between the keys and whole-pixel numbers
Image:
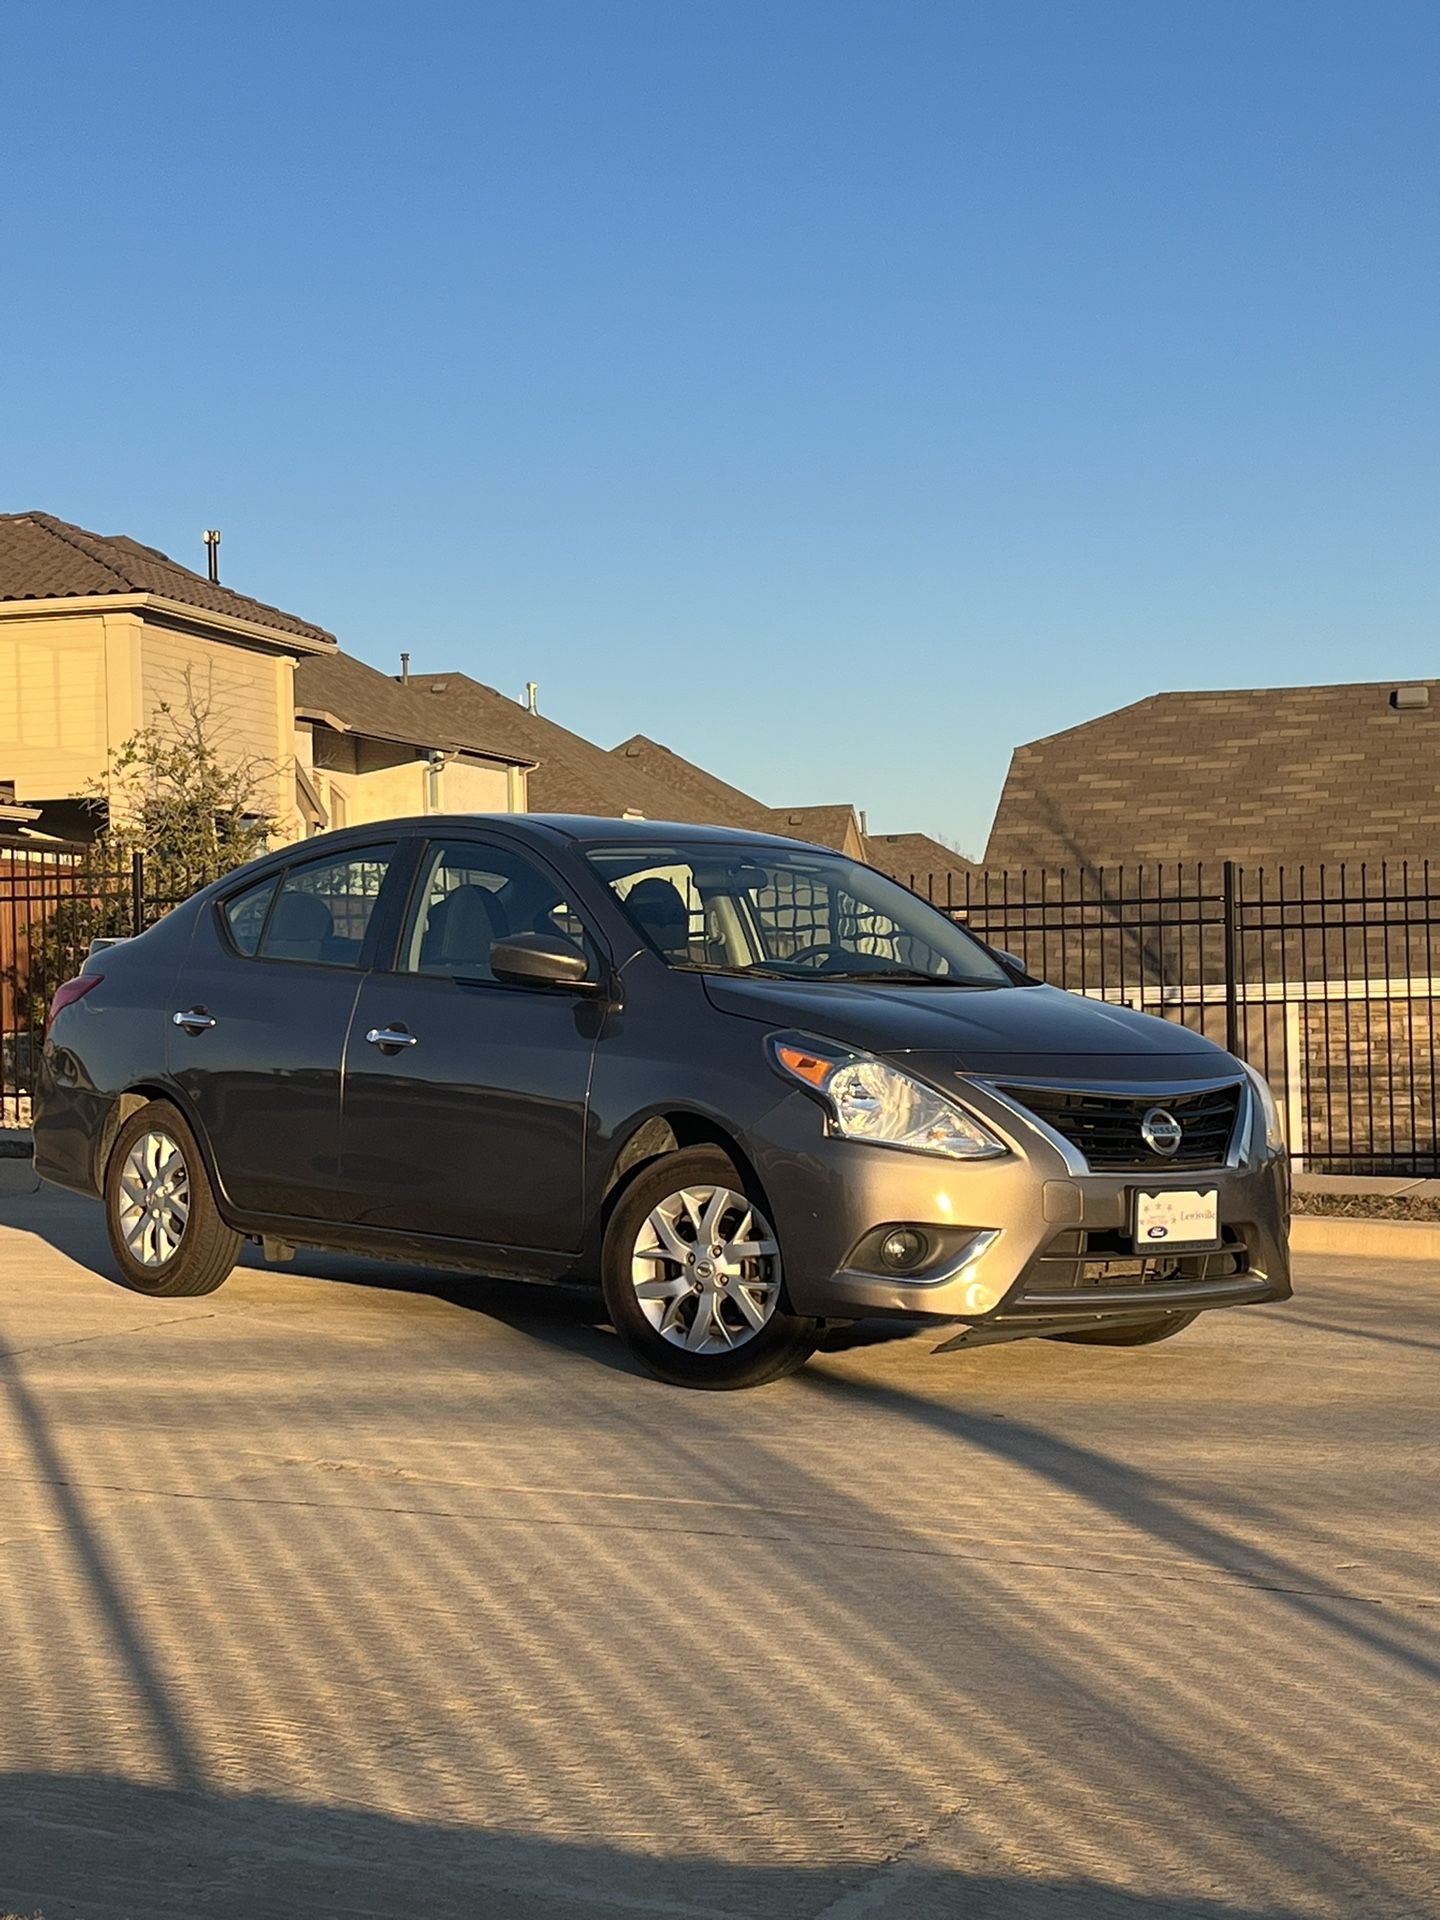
[{"x": 1028, "y": 1244}]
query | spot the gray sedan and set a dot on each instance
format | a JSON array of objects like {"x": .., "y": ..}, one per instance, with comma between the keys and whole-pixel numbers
[{"x": 756, "y": 1088}]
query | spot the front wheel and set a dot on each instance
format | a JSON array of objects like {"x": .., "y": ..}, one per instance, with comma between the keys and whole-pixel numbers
[
  {"x": 693, "y": 1278},
  {"x": 1145, "y": 1334},
  {"x": 165, "y": 1230}
]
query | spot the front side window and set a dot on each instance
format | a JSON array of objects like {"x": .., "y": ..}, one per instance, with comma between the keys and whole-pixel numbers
[
  {"x": 470, "y": 895},
  {"x": 793, "y": 914},
  {"x": 324, "y": 908}
]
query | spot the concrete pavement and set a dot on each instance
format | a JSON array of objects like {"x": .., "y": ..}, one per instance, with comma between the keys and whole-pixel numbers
[{"x": 354, "y": 1590}]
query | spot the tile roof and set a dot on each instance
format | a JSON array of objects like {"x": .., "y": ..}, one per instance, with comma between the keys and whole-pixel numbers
[
  {"x": 42, "y": 558},
  {"x": 369, "y": 702},
  {"x": 1265, "y": 775}
]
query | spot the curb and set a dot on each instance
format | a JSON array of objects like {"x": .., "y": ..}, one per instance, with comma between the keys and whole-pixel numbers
[{"x": 1365, "y": 1239}]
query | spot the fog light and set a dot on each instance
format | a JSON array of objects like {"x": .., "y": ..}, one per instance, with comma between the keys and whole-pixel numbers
[{"x": 904, "y": 1249}]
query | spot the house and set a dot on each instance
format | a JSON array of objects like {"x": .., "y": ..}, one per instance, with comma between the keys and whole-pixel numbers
[
  {"x": 703, "y": 797},
  {"x": 924, "y": 865},
  {"x": 369, "y": 748},
  {"x": 1274, "y": 776},
  {"x": 99, "y": 634},
  {"x": 570, "y": 774},
  {"x": 15, "y": 819}
]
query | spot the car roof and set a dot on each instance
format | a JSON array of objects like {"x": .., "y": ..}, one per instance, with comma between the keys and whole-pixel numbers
[{"x": 579, "y": 828}]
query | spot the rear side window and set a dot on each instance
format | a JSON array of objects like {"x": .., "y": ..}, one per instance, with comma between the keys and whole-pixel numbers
[
  {"x": 245, "y": 914},
  {"x": 324, "y": 908}
]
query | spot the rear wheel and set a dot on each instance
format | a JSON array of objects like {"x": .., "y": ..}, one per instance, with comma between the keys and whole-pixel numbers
[
  {"x": 1144, "y": 1334},
  {"x": 693, "y": 1277},
  {"x": 165, "y": 1230}
]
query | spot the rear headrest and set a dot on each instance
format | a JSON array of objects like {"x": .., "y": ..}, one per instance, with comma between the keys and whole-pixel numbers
[{"x": 301, "y": 917}]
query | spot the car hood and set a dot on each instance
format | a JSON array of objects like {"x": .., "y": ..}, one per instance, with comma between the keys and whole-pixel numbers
[{"x": 1034, "y": 1030}]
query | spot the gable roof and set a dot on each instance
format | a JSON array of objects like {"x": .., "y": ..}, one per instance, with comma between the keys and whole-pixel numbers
[
  {"x": 42, "y": 558},
  {"x": 917, "y": 861},
  {"x": 344, "y": 692},
  {"x": 1268, "y": 775},
  {"x": 571, "y": 774},
  {"x": 705, "y": 795},
  {"x": 710, "y": 798},
  {"x": 822, "y": 826}
]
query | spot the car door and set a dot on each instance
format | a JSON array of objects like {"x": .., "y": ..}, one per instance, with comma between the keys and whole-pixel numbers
[
  {"x": 466, "y": 1098},
  {"x": 260, "y": 1015}
]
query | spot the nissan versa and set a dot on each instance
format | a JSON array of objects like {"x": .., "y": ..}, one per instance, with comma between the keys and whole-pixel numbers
[{"x": 758, "y": 1088}]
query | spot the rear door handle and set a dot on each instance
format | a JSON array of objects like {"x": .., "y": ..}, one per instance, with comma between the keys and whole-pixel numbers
[
  {"x": 391, "y": 1039},
  {"x": 197, "y": 1020}
]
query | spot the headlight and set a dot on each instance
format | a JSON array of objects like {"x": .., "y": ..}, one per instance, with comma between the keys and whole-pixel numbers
[
  {"x": 1270, "y": 1112},
  {"x": 867, "y": 1099}
]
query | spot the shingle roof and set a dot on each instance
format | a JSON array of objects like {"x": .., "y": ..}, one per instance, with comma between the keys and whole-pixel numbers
[
  {"x": 572, "y": 775},
  {"x": 822, "y": 826},
  {"x": 704, "y": 796},
  {"x": 1266, "y": 775},
  {"x": 42, "y": 558},
  {"x": 925, "y": 865},
  {"x": 366, "y": 701},
  {"x": 707, "y": 797}
]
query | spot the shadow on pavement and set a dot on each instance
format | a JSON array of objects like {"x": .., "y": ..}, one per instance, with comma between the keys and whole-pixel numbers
[{"x": 84, "y": 1847}]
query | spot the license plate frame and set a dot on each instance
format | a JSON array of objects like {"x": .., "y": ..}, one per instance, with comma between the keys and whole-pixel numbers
[{"x": 1173, "y": 1210}]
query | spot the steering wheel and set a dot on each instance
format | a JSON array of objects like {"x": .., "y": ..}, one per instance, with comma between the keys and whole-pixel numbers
[{"x": 821, "y": 950}]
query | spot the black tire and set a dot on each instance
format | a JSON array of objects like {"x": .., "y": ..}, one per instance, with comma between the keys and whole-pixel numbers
[
  {"x": 1143, "y": 1334},
  {"x": 786, "y": 1340},
  {"x": 206, "y": 1250}
]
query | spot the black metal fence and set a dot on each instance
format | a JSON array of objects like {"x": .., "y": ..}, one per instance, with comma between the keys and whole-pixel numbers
[
  {"x": 54, "y": 901},
  {"x": 1322, "y": 977}
]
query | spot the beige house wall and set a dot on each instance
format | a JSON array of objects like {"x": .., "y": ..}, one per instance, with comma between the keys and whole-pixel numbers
[
  {"x": 388, "y": 793},
  {"x": 70, "y": 689},
  {"x": 248, "y": 697},
  {"x": 360, "y": 779},
  {"x": 75, "y": 687},
  {"x": 468, "y": 786}
]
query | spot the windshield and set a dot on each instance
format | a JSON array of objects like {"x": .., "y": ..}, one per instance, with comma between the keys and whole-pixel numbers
[{"x": 786, "y": 913}]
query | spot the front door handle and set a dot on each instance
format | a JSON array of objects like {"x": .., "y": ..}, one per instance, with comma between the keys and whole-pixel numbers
[
  {"x": 197, "y": 1020},
  {"x": 391, "y": 1039}
]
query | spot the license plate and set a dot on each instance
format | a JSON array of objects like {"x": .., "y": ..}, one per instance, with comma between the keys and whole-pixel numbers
[{"x": 1173, "y": 1218}]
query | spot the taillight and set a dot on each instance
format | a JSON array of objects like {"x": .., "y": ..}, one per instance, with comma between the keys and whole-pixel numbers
[{"x": 72, "y": 991}]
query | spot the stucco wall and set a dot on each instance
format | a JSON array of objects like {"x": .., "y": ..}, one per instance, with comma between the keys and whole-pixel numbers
[{"x": 468, "y": 787}]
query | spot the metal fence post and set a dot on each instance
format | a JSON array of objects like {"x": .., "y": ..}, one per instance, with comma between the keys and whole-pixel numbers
[
  {"x": 137, "y": 892},
  {"x": 1229, "y": 909}
]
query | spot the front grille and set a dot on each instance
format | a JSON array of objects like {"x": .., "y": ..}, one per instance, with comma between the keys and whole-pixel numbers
[
  {"x": 1076, "y": 1262},
  {"x": 1106, "y": 1126}
]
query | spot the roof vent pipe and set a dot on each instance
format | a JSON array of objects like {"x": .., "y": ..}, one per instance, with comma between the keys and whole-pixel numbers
[
  {"x": 212, "y": 553},
  {"x": 404, "y": 669},
  {"x": 531, "y": 689}
]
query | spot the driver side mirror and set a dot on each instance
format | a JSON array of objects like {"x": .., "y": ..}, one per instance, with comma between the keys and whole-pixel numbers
[{"x": 539, "y": 960}]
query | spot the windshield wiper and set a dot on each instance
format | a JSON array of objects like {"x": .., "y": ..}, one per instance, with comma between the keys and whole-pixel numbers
[{"x": 904, "y": 976}]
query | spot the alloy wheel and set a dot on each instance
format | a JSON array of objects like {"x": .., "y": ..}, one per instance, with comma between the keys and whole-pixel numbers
[
  {"x": 706, "y": 1269},
  {"x": 154, "y": 1208}
]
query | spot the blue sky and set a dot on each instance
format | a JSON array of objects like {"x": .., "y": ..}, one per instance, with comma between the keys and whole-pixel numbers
[{"x": 838, "y": 393}]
